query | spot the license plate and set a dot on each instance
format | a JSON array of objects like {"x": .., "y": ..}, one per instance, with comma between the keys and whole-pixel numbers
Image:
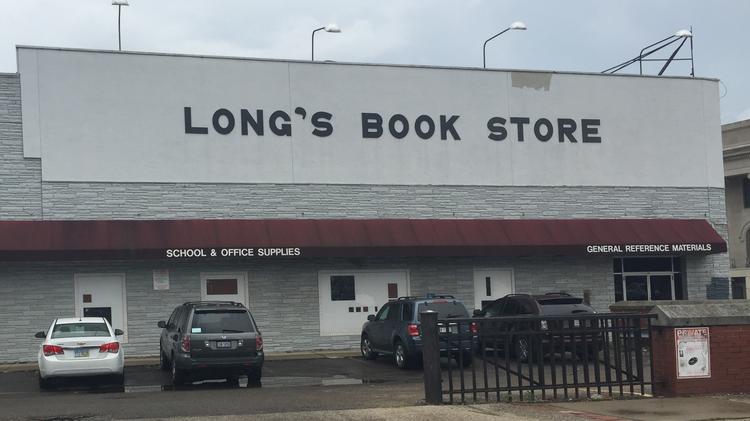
[
  {"x": 451, "y": 329},
  {"x": 81, "y": 353},
  {"x": 223, "y": 344}
]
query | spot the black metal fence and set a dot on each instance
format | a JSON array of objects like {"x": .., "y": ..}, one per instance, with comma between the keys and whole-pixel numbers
[{"x": 527, "y": 358}]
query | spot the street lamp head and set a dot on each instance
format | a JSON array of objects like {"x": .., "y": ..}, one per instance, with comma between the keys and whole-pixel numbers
[
  {"x": 120, "y": 3},
  {"x": 332, "y": 27},
  {"x": 518, "y": 25},
  {"x": 683, "y": 33}
]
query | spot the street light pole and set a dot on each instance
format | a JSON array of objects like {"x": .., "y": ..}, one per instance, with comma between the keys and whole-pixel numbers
[
  {"x": 328, "y": 28},
  {"x": 119, "y": 4},
  {"x": 515, "y": 25}
]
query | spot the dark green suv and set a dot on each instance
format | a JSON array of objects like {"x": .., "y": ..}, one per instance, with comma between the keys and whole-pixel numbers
[
  {"x": 209, "y": 340},
  {"x": 396, "y": 330}
]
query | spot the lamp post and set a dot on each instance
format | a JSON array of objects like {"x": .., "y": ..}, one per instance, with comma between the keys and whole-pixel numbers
[
  {"x": 515, "y": 25},
  {"x": 328, "y": 28},
  {"x": 119, "y": 4}
]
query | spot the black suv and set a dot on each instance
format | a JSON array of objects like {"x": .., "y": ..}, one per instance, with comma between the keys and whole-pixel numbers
[
  {"x": 550, "y": 304},
  {"x": 395, "y": 329},
  {"x": 209, "y": 340}
]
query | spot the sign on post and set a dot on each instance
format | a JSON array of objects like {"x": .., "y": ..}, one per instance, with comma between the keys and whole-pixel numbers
[{"x": 693, "y": 346}]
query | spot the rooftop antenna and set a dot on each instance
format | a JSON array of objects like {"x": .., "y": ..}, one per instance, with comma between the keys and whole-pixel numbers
[{"x": 681, "y": 35}]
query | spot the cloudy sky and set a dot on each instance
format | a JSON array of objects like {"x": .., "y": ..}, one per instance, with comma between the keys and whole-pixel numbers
[{"x": 571, "y": 35}]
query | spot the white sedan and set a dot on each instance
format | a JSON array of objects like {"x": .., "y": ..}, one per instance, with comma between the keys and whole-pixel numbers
[{"x": 86, "y": 346}]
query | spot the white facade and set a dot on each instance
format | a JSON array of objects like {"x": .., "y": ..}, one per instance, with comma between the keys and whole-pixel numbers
[
  {"x": 94, "y": 135},
  {"x": 126, "y": 113}
]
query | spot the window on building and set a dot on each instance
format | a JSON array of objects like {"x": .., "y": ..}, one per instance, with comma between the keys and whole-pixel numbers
[
  {"x": 342, "y": 288},
  {"x": 648, "y": 279},
  {"x": 739, "y": 288},
  {"x": 221, "y": 286},
  {"x": 746, "y": 192}
]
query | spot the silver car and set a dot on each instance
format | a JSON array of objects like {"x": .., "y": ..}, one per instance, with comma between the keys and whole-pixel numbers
[{"x": 77, "y": 347}]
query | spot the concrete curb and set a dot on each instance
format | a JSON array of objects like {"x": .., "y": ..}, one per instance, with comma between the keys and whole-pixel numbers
[{"x": 154, "y": 360}]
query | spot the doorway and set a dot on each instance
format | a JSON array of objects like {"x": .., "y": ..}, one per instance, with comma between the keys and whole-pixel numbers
[
  {"x": 649, "y": 287},
  {"x": 224, "y": 287},
  {"x": 491, "y": 284},
  {"x": 347, "y": 298},
  {"x": 102, "y": 295}
]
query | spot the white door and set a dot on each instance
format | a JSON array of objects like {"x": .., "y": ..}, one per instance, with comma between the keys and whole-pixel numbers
[
  {"x": 491, "y": 284},
  {"x": 346, "y": 298},
  {"x": 102, "y": 295},
  {"x": 224, "y": 287}
]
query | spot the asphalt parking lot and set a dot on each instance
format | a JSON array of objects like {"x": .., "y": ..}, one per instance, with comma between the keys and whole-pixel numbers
[
  {"x": 276, "y": 374},
  {"x": 287, "y": 385}
]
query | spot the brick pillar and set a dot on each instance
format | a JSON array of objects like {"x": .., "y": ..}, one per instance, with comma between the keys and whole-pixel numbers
[{"x": 730, "y": 363}]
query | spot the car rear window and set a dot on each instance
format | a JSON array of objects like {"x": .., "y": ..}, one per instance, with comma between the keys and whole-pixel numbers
[
  {"x": 79, "y": 330},
  {"x": 559, "y": 301},
  {"x": 445, "y": 309},
  {"x": 221, "y": 321}
]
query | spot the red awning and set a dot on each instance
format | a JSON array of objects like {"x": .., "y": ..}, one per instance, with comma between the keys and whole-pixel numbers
[{"x": 32, "y": 240}]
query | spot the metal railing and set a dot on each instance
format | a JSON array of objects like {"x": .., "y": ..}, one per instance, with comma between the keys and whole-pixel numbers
[{"x": 551, "y": 357}]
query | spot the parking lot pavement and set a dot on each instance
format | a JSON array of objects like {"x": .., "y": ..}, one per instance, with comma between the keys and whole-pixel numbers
[
  {"x": 276, "y": 374},
  {"x": 287, "y": 385},
  {"x": 325, "y": 388}
]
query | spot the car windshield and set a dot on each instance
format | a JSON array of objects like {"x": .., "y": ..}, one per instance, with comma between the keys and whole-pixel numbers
[
  {"x": 79, "y": 330},
  {"x": 445, "y": 309},
  {"x": 221, "y": 321}
]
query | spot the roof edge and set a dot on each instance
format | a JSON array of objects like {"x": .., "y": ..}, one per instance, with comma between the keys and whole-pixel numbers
[{"x": 344, "y": 63}]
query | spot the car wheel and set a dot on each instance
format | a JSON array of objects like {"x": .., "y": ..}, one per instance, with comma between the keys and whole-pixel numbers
[
  {"x": 163, "y": 362},
  {"x": 233, "y": 381},
  {"x": 178, "y": 377},
  {"x": 253, "y": 376},
  {"x": 366, "y": 348},
  {"x": 400, "y": 355},
  {"x": 44, "y": 384}
]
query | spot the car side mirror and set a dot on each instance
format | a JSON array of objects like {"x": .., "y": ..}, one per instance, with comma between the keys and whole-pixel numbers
[
  {"x": 370, "y": 317},
  {"x": 40, "y": 335},
  {"x": 478, "y": 313},
  {"x": 162, "y": 324},
  {"x": 119, "y": 332}
]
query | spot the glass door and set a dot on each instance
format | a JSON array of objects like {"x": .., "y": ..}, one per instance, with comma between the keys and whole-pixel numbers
[
  {"x": 648, "y": 287},
  {"x": 661, "y": 287},
  {"x": 636, "y": 287}
]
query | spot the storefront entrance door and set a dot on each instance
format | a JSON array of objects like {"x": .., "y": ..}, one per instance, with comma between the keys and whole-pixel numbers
[
  {"x": 102, "y": 295},
  {"x": 224, "y": 287},
  {"x": 491, "y": 284},
  {"x": 645, "y": 287},
  {"x": 346, "y": 298}
]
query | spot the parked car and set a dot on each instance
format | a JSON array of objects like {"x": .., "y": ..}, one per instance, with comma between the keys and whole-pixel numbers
[
  {"x": 78, "y": 347},
  {"x": 395, "y": 330},
  {"x": 210, "y": 340},
  {"x": 551, "y": 304}
]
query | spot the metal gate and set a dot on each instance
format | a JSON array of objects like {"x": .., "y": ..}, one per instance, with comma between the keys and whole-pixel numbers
[{"x": 536, "y": 357}]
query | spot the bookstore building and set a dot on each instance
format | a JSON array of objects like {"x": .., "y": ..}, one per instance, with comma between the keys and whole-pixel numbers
[{"x": 316, "y": 192}]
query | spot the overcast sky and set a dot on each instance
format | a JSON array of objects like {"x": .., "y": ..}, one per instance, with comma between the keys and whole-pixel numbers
[{"x": 572, "y": 35}]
